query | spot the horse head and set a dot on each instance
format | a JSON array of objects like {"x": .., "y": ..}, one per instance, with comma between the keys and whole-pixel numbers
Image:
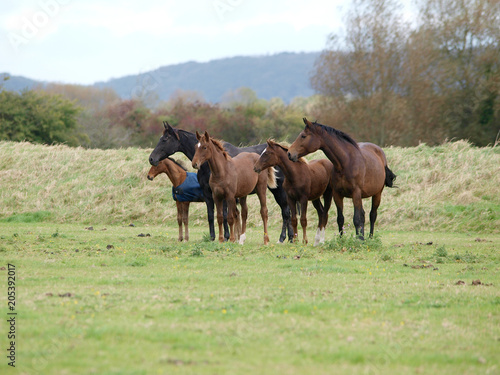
[
  {"x": 168, "y": 144},
  {"x": 203, "y": 150},
  {"x": 155, "y": 170},
  {"x": 268, "y": 157},
  {"x": 307, "y": 142}
]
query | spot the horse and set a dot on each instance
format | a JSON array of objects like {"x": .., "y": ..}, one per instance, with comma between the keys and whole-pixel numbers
[
  {"x": 359, "y": 170},
  {"x": 177, "y": 140},
  {"x": 178, "y": 176},
  {"x": 233, "y": 178},
  {"x": 304, "y": 181}
]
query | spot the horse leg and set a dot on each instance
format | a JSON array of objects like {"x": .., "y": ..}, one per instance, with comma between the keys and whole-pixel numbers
[
  {"x": 231, "y": 216},
  {"x": 293, "y": 211},
  {"x": 244, "y": 215},
  {"x": 226, "y": 228},
  {"x": 261, "y": 193},
  {"x": 179, "y": 219},
  {"x": 359, "y": 215},
  {"x": 237, "y": 221},
  {"x": 320, "y": 210},
  {"x": 339, "y": 203},
  {"x": 210, "y": 215},
  {"x": 303, "y": 219},
  {"x": 327, "y": 199},
  {"x": 281, "y": 199},
  {"x": 220, "y": 218},
  {"x": 373, "y": 213},
  {"x": 185, "y": 220}
]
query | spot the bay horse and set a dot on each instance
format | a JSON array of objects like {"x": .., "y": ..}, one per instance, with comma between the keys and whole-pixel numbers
[
  {"x": 233, "y": 178},
  {"x": 304, "y": 181},
  {"x": 359, "y": 170},
  {"x": 177, "y": 140},
  {"x": 177, "y": 175}
]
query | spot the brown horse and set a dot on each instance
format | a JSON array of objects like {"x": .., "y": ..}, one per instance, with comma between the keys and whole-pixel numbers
[
  {"x": 233, "y": 178},
  {"x": 177, "y": 175},
  {"x": 303, "y": 182},
  {"x": 360, "y": 169}
]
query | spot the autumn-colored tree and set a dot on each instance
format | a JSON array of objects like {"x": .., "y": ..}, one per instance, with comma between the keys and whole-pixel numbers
[
  {"x": 88, "y": 97},
  {"x": 391, "y": 82},
  {"x": 360, "y": 75},
  {"x": 465, "y": 37}
]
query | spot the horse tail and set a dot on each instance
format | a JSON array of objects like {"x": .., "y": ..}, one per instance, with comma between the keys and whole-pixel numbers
[
  {"x": 390, "y": 177},
  {"x": 271, "y": 178}
]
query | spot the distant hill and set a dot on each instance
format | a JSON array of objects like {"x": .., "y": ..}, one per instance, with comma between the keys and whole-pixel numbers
[
  {"x": 284, "y": 75},
  {"x": 18, "y": 83}
]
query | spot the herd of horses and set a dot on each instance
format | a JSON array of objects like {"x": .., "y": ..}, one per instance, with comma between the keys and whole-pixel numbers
[{"x": 228, "y": 174}]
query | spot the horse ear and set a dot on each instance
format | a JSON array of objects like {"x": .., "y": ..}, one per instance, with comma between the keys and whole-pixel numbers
[
  {"x": 198, "y": 136},
  {"x": 269, "y": 142},
  {"x": 307, "y": 122},
  {"x": 170, "y": 130},
  {"x": 207, "y": 137}
]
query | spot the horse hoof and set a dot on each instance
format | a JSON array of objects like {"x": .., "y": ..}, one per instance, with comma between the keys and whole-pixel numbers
[
  {"x": 317, "y": 238},
  {"x": 242, "y": 238}
]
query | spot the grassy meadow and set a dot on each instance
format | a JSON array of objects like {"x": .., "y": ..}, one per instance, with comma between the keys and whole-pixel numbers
[{"x": 95, "y": 295}]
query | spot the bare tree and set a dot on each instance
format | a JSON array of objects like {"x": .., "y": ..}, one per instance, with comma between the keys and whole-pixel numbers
[
  {"x": 361, "y": 73},
  {"x": 466, "y": 37},
  {"x": 393, "y": 83}
]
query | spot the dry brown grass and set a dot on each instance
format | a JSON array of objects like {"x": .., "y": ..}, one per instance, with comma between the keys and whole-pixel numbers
[{"x": 450, "y": 187}]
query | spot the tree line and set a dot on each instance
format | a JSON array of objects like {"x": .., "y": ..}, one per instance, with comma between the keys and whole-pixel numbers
[
  {"x": 383, "y": 80},
  {"x": 398, "y": 82},
  {"x": 98, "y": 118}
]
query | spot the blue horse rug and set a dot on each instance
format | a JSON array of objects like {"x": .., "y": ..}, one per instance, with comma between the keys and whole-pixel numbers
[{"x": 189, "y": 190}]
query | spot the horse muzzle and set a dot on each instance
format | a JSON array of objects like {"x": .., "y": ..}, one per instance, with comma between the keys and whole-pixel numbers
[
  {"x": 150, "y": 178},
  {"x": 195, "y": 165},
  {"x": 257, "y": 170},
  {"x": 292, "y": 157},
  {"x": 153, "y": 162}
]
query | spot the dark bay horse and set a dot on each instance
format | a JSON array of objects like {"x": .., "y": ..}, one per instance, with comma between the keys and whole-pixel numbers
[
  {"x": 177, "y": 140},
  {"x": 233, "y": 178},
  {"x": 304, "y": 181},
  {"x": 360, "y": 169},
  {"x": 177, "y": 175}
]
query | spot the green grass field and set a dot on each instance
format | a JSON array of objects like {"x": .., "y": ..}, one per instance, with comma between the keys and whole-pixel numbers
[{"x": 421, "y": 298}]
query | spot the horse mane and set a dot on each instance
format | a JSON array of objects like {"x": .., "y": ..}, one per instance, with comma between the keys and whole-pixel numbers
[
  {"x": 180, "y": 132},
  {"x": 285, "y": 148},
  {"x": 178, "y": 163},
  {"x": 218, "y": 145},
  {"x": 337, "y": 133}
]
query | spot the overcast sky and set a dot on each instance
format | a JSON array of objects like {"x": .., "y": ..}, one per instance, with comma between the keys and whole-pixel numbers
[{"x": 84, "y": 41}]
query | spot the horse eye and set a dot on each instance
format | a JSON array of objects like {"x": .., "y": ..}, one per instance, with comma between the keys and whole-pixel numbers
[{"x": 303, "y": 136}]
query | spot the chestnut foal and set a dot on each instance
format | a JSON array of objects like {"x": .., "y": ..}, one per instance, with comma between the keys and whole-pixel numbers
[
  {"x": 304, "y": 181},
  {"x": 177, "y": 175},
  {"x": 233, "y": 178}
]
